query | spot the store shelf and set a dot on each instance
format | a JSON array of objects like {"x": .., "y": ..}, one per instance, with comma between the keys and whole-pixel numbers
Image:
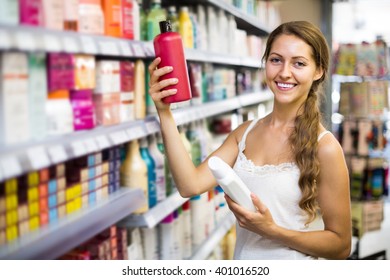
[
  {"x": 155, "y": 215},
  {"x": 215, "y": 237},
  {"x": 244, "y": 21},
  {"x": 18, "y": 159},
  {"x": 30, "y": 39},
  {"x": 57, "y": 239}
]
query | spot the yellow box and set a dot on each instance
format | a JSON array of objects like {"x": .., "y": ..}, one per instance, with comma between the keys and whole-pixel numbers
[
  {"x": 11, "y": 217},
  {"x": 78, "y": 203},
  {"x": 69, "y": 193},
  {"x": 11, "y": 186},
  {"x": 33, "y": 179},
  {"x": 33, "y": 193},
  {"x": 11, "y": 233},
  {"x": 70, "y": 207},
  {"x": 33, "y": 208},
  {"x": 11, "y": 202},
  {"x": 34, "y": 223}
]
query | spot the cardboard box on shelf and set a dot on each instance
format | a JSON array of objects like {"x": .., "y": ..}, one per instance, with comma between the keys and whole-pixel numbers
[{"x": 366, "y": 216}]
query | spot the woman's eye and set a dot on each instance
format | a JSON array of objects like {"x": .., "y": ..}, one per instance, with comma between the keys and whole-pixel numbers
[
  {"x": 275, "y": 60},
  {"x": 300, "y": 64}
]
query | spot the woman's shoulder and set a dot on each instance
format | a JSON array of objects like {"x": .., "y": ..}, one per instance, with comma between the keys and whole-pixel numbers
[{"x": 329, "y": 147}]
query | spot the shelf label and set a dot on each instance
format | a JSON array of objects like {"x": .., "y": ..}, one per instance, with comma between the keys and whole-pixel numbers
[
  {"x": 136, "y": 132},
  {"x": 125, "y": 48},
  {"x": 88, "y": 45},
  {"x": 90, "y": 145},
  {"x": 57, "y": 153},
  {"x": 138, "y": 50},
  {"x": 5, "y": 40},
  {"x": 108, "y": 47},
  {"x": 152, "y": 127},
  {"x": 51, "y": 43},
  {"x": 149, "y": 49},
  {"x": 10, "y": 166},
  {"x": 78, "y": 148},
  {"x": 102, "y": 142},
  {"x": 25, "y": 41},
  {"x": 70, "y": 45},
  {"x": 38, "y": 157},
  {"x": 119, "y": 137}
]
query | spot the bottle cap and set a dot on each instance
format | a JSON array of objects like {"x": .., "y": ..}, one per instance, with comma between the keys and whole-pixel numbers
[{"x": 165, "y": 26}]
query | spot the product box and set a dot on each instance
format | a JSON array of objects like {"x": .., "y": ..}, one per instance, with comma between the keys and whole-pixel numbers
[
  {"x": 30, "y": 12},
  {"x": 53, "y": 14},
  {"x": 91, "y": 18},
  {"x": 112, "y": 17},
  {"x": 83, "y": 109},
  {"x": 366, "y": 216},
  {"x": 85, "y": 75},
  {"x": 71, "y": 15},
  {"x": 61, "y": 72},
  {"x": 14, "y": 82},
  {"x": 37, "y": 95},
  {"x": 9, "y": 12}
]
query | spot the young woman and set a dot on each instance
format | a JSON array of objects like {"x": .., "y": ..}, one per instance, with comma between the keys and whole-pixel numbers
[{"x": 293, "y": 166}]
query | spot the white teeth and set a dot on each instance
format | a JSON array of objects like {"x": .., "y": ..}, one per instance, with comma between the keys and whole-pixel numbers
[{"x": 285, "y": 85}]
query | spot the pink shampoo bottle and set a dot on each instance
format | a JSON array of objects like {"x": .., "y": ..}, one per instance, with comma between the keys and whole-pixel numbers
[{"x": 168, "y": 46}]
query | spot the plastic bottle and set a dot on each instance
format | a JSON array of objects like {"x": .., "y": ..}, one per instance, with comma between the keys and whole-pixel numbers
[
  {"x": 158, "y": 158},
  {"x": 134, "y": 172},
  {"x": 139, "y": 89},
  {"x": 169, "y": 184},
  {"x": 167, "y": 236},
  {"x": 193, "y": 138},
  {"x": 232, "y": 185},
  {"x": 173, "y": 18},
  {"x": 169, "y": 47},
  {"x": 150, "y": 243},
  {"x": 152, "y": 193},
  {"x": 187, "y": 239},
  {"x": 155, "y": 15},
  {"x": 185, "y": 27}
]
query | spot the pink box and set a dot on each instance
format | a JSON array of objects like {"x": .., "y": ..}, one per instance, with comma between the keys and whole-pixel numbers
[
  {"x": 30, "y": 12},
  {"x": 60, "y": 71},
  {"x": 83, "y": 109}
]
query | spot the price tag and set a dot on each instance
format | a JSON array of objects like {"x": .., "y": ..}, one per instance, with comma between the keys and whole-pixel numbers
[
  {"x": 10, "y": 166},
  {"x": 108, "y": 47},
  {"x": 102, "y": 142},
  {"x": 78, "y": 148},
  {"x": 136, "y": 132},
  {"x": 5, "y": 40},
  {"x": 57, "y": 153},
  {"x": 125, "y": 48},
  {"x": 138, "y": 50},
  {"x": 70, "y": 45},
  {"x": 25, "y": 41},
  {"x": 90, "y": 145},
  {"x": 118, "y": 137},
  {"x": 88, "y": 45},
  {"x": 152, "y": 127},
  {"x": 51, "y": 43},
  {"x": 38, "y": 157}
]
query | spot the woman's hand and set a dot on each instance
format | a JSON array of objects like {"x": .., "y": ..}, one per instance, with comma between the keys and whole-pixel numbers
[
  {"x": 260, "y": 222},
  {"x": 156, "y": 87}
]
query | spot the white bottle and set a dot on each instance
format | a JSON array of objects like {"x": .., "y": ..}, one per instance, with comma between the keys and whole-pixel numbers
[
  {"x": 187, "y": 240},
  {"x": 150, "y": 243},
  {"x": 232, "y": 185},
  {"x": 167, "y": 238}
]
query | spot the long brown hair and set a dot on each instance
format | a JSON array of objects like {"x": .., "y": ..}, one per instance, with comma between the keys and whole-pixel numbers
[{"x": 303, "y": 138}]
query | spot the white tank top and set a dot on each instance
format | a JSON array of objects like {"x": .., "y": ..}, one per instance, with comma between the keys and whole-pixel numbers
[{"x": 277, "y": 187}]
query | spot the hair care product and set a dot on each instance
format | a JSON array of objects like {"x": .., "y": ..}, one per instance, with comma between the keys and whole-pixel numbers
[
  {"x": 152, "y": 193},
  {"x": 169, "y": 47},
  {"x": 134, "y": 172},
  {"x": 158, "y": 158},
  {"x": 232, "y": 185}
]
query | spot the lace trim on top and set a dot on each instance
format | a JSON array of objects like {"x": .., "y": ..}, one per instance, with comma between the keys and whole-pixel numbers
[{"x": 248, "y": 165}]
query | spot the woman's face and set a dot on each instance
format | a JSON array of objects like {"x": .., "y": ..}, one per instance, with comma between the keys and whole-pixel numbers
[{"x": 291, "y": 69}]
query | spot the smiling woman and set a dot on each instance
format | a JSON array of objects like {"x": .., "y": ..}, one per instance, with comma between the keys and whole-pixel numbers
[{"x": 293, "y": 167}]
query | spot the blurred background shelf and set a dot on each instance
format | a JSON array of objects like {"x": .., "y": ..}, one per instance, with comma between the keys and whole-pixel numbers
[{"x": 56, "y": 239}]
